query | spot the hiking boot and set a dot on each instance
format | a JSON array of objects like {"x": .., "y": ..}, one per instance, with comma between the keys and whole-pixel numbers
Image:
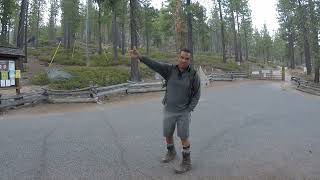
[
  {"x": 185, "y": 165},
  {"x": 170, "y": 155}
]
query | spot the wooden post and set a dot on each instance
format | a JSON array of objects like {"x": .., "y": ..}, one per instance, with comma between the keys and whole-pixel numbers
[
  {"x": 18, "y": 65},
  {"x": 18, "y": 86}
]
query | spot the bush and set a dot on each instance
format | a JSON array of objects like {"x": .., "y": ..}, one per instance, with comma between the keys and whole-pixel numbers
[
  {"x": 107, "y": 59},
  {"x": 44, "y": 58},
  {"x": 207, "y": 60},
  {"x": 34, "y": 52},
  {"x": 87, "y": 76},
  {"x": 40, "y": 79},
  {"x": 146, "y": 72},
  {"x": 64, "y": 57},
  {"x": 167, "y": 57}
]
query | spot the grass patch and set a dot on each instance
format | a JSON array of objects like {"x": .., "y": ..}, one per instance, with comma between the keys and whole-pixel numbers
[
  {"x": 146, "y": 73},
  {"x": 107, "y": 59},
  {"x": 167, "y": 57},
  {"x": 40, "y": 79},
  {"x": 87, "y": 76},
  {"x": 67, "y": 57}
]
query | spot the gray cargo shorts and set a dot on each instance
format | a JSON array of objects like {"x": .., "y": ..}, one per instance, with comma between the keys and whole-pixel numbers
[{"x": 182, "y": 120}]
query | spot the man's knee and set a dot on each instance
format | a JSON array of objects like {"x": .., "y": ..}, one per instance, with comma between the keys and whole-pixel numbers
[
  {"x": 169, "y": 140},
  {"x": 185, "y": 142},
  {"x": 184, "y": 139}
]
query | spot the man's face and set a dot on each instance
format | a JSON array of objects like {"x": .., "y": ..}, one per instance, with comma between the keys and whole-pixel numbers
[{"x": 184, "y": 60}]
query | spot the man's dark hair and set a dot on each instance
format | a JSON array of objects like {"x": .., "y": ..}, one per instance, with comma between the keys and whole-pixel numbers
[{"x": 185, "y": 50}]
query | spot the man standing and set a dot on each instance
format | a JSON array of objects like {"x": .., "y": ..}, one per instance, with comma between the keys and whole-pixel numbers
[{"x": 181, "y": 97}]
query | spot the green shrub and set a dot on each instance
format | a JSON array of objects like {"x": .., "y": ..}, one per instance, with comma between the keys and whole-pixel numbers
[
  {"x": 40, "y": 79},
  {"x": 65, "y": 57},
  {"x": 87, "y": 76}
]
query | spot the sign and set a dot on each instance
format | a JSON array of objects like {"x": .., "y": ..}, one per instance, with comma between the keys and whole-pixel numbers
[
  {"x": 11, "y": 59},
  {"x": 4, "y": 65},
  {"x": 7, "y": 73},
  {"x": 12, "y": 74},
  {"x": 13, "y": 82},
  {"x": 3, "y": 83},
  {"x": 4, "y": 75},
  {"x": 12, "y": 66},
  {"x": 18, "y": 74},
  {"x": 8, "y": 83}
]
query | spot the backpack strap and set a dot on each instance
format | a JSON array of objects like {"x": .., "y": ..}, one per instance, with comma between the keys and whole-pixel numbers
[
  {"x": 168, "y": 76},
  {"x": 166, "y": 83},
  {"x": 192, "y": 76}
]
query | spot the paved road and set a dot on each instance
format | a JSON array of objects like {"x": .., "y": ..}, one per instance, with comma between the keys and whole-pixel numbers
[{"x": 249, "y": 129}]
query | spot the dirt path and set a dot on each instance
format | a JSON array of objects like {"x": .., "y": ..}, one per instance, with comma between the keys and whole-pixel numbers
[{"x": 34, "y": 66}]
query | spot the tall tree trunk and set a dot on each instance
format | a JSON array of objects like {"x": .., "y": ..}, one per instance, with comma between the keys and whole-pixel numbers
[
  {"x": 216, "y": 42},
  {"x": 8, "y": 34},
  {"x": 224, "y": 58},
  {"x": 20, "y": 36},
  {"x": 15, "y": 32},
  {"x": 316, "y": 73},
  {"x": 314, "y": 40},
  {"x": 69, "y": 37},
  {"x": 26, "y": 36},
  {"x": 38, "y": 22},
  {"x": 291, "y": 50},
  {"x": 190, "y": 40},
  {"x": 118, "y": 36},
  {"x": 307, "y": 51},
  {"x": 135, "y": 74},
  {"x": 148, "y": 42},
  {"x": 4, "y": 31},
  {"x": 123, "y": 31},
  {"x": 246, "y": 40},
  {"x": 179, "y": 26},
  {"x": 123, "y": 40},
  {"x": 305, "y": 38},
  {"x": 100, "y": 36},
  {"x": 246, "y": 45},
  {"x": 4, "y": 21},
  {"x": 239, "y": 39},
  {"x": 147, "y": 29},
  {"x": 235, "y": 41},
  {"x": 90, "y": 27},
  {"x": 65, "y": 28},
  {"x": 87, "y": 34},
  {"x": 114, "y": 32},
  {"x": 301, "y": 56}
]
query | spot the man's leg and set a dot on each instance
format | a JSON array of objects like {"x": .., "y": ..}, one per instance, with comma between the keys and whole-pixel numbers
[
  {"x": 169, "y": 123},
  {"x": 183, "y": 132},
  {"x": 185, "y": 142},
  {"x": 169, "y": 140}
]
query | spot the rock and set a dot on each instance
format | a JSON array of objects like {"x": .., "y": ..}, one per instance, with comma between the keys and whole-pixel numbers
[{"x": 56, "y": 74}]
